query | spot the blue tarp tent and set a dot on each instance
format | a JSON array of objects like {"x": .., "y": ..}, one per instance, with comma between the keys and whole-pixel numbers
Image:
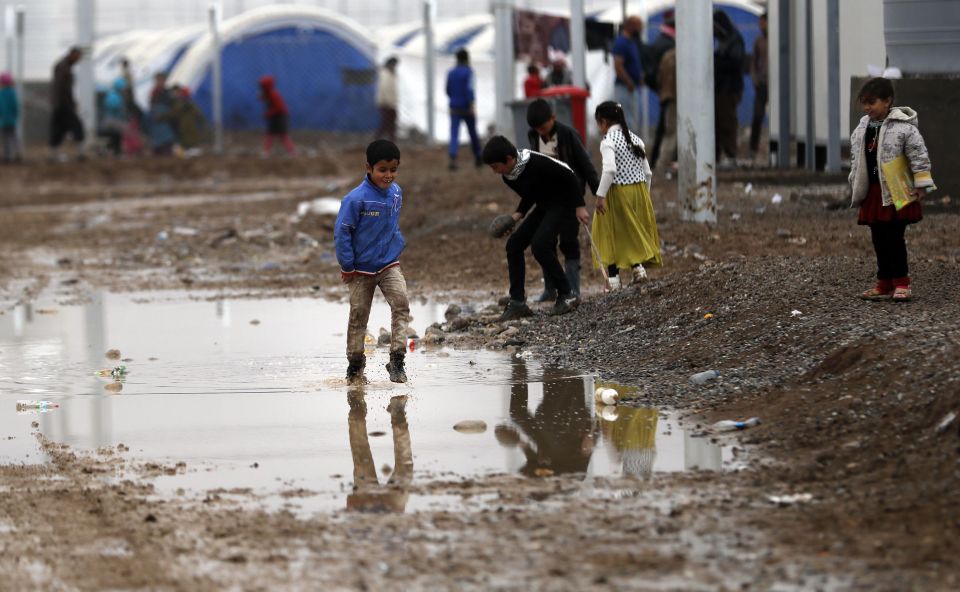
[{"x": 324, "y": 66}]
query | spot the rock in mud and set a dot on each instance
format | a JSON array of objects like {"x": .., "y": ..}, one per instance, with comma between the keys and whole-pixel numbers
[
  {"x": 452, "y": 312},
  {"x": 113, "y": 354},
  {"x": 471, "y": 426}
]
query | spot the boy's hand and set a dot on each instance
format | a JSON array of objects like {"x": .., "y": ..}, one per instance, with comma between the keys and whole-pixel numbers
[
  {"x": 582, "y": 215},
  {"x": 346, "y": 276},
  {"x": 920, "y": 192},
  {"x": 602, "y": 205}
]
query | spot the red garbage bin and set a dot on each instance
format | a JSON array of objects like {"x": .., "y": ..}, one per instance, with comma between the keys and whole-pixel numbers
[{"x": 578, "y": 105}]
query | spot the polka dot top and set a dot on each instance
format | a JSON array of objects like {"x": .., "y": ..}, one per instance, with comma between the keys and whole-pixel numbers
[{"x": 627, "y": 168}]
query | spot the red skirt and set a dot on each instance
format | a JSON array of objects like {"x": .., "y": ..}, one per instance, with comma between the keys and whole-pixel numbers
[{"x": 872, "y": 209}]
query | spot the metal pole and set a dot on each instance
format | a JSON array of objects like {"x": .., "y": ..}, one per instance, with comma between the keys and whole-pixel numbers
[
  {"x": 623, "y": 11},
  {"x": 430, "y": 65},
  {"x": 811, "y": 143},
  {"x": 86, "y": 89},
  {"x": 217, "y": 80},
  {"x": 503, "y": 63},
  {"x": 20, "y": 72},
  {"x": 8, "y": 35},
  {"x": 783, "y": 83},
  {"x": 833, "y": 85},
  {"x": 695, "y": 117},
  {"x": 578, "y": 43}
]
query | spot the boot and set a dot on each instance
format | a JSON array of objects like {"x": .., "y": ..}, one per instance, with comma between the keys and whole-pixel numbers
[
  {"x": 571, "y": 268},
  {"x": 395, "y": 367},
  {"x": 549, "y": 291},
  {"x": 355, "y": 368}
]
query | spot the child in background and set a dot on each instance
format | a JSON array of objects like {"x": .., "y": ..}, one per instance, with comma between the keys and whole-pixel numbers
[
  {"x": 533, "y": 84},
  {"x": 276, "y": 115},
  {"x": 884, "y": 134},
  {"x": 556, "y": 140},
  {"x": 368, "y": 245},
  {"x": 9, "y": 115},
  {"x": 625, "y": 227}
]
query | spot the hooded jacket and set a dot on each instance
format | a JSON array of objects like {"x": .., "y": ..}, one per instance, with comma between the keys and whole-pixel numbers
[
  {"x": 271, "y": 98},
  {"x": 367, "y": 233},
  {"x": 9, "y": 107},
  {"x": 899, "y": 134}
]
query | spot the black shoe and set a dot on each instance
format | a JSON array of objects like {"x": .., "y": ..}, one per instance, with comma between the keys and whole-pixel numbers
[
  {"x": 547, "y": 296},
  {"x": 515, "y": 309},
  {"x": 355, "y": 369},
  {"x": 478, "y": 163},
  {"x": 565, "y": 304},
  {"x": 395, "y": 368},
  {"x": 452, "y": 166}
]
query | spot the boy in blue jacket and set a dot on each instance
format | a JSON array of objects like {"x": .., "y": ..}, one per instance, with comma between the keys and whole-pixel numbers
[
  {"x": 9, "y": 114},
  {"x": 462, "y": 108},
  {"x": 368, "y": 244}
]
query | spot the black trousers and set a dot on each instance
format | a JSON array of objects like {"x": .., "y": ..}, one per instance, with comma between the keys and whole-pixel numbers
[
  {"x": 891, "y": 249},
  {"x": 65, "y": 120},
  {"x": 759, "y": 111},
  {"x": 539, "y": 231},
  {"x": 658, "y": 136}
]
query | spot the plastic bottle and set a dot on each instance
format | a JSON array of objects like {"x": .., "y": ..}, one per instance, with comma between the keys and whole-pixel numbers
[
  {"x": 36, "y": 405},
  {"x": 729, "y": 425},
  {"x": 703, "y": 377},
  {"x": 606, "y": 396}
]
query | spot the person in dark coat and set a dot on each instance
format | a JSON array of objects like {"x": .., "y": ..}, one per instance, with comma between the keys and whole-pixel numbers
[
  {"x": 729, "y": 58},
  {"x": 549, "y": 136},
  {"x": 63, "y": 106}
]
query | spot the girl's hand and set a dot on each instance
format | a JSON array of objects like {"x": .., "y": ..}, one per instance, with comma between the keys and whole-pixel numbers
[
  {"x": 602, "y": 205},
  {"x": 920, "y": 192}
]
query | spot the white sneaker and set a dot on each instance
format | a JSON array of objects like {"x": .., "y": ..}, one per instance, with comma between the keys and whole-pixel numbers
[
  {"x": 639, "y": 274},
  {"x": 613, "y": 284}
]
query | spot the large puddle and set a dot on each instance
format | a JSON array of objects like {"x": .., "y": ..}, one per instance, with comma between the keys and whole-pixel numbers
[{"x": 249, "y": 394}]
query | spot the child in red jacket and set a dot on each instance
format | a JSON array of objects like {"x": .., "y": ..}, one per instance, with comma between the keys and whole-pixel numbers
[{"x": 276, "y": 116}]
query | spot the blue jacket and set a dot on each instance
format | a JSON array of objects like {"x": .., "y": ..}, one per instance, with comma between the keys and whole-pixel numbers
[
  {"x": 460, "y": 87},
  {"x": 9, "y": 107},
  {"x": 367, "y": 233}
]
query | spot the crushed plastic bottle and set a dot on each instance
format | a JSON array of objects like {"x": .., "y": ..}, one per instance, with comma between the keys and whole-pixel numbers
[
  {"x": 606, "y": 396},
  {"x": 729, "y": 425},
  {"x": 40, "y": 406},
  {"x": 704, "y": 377}
]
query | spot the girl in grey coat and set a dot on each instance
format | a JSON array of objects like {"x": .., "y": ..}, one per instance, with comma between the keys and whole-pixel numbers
[{"x": 884, "y": 135}]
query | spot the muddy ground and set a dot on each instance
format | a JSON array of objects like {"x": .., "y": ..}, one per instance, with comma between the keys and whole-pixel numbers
[{"x": 850, "y": 393}]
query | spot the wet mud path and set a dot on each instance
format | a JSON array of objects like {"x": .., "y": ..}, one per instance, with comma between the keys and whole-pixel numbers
[{"x": 853, "y": 396}]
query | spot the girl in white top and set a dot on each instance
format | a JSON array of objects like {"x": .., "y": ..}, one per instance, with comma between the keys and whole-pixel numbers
[{"x": 625, "y": 227}]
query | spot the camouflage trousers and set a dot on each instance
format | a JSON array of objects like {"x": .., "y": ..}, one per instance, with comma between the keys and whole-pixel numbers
[{"x": 393, "y": 286}]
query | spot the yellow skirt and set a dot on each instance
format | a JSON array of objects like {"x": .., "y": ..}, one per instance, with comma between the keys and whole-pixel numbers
[{"x": 627, "y": 234}]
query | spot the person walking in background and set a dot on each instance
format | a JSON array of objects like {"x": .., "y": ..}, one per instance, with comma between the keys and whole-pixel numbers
[
  {"x": 532, "y": 84},
  {"x": 667, "y": 77},
  {"x": 556, "y": 140},
  {"x": 559, "y": 74},
  {"x": 887, "y": 139},
  {"x": 9, "y": 116},
  {"x": 163, "y": 134},
  {"x": 629, "y": 70},
  {"x": 759, "y": 76},
  {"x": 387, "y": 100},
  {"x": 625, "y": 227},
  {"x": 664, "y": 42},
  {"x": 277, "y": 116},
  {"x": 63, "y": 107},
  {"x": 728, "y": 63},
  {"x": 188, "y": 119},
  {"x": 462, "y": 108},
  {"x": 114, "y": 116}
]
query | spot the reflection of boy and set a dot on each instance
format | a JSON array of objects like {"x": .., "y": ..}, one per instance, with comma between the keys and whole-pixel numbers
[
  {"x": 368, "y": 495},
  {"x": 368, "y": 244},
  {"x": 561, "y": 430},
  {"x": 557, "y": 140}
]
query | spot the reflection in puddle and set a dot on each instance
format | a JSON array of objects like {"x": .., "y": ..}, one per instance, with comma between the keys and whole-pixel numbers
[{"x": 264, "y": 407}]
